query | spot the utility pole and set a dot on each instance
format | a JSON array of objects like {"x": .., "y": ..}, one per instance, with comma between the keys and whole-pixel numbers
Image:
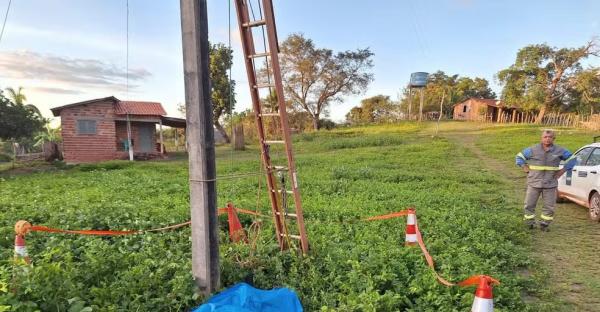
[
  {"x": 437, "y": 128},
  {"x": 421, "y": 105},
  {"x": 409, "y": 103},
  {"x": 201, "y": 141}
]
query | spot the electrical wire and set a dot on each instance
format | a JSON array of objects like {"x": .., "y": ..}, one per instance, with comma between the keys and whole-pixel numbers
[
  {"x": 5, "y": 19},
  {"x": 416, "y": 30},
  {"x": 127, "y": 53}
]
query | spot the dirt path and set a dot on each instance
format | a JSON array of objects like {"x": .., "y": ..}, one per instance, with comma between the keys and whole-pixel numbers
[{"x": 570, "y": 251}]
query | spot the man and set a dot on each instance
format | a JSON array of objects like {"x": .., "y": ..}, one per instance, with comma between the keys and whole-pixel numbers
[{"x": 541, "y": 163}]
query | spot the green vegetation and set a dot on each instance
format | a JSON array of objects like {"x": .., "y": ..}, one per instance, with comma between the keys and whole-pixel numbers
[
  {"x": 573, "y": 263},
  {"x": 467, "y": 214},
  {"x": 544, "y": 78}
]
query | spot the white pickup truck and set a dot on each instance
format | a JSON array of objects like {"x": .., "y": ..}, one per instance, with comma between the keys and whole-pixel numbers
[{"x": 582, "y": 185}]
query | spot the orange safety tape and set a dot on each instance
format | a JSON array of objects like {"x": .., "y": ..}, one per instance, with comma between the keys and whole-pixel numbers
[
  {"x": 41, "y": 228},
  {"x": 428, "y": 257},
  {"x": 170, "y": 227},
  {"x": 472, "y": 280},
  {"x": 389, "y": 216},
  {"x": 250, "y": 212}
]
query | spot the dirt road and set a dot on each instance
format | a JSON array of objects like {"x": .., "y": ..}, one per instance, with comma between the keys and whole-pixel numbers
[{"x": 570, "y": 251}]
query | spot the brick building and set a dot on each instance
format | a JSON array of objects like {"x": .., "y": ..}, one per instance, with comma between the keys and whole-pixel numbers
[
  {"x": 97, "y": 130},
  {"x": 475, "y": 109}
]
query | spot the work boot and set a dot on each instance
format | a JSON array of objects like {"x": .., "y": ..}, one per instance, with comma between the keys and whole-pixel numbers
[{"x": 544, "y": 227}]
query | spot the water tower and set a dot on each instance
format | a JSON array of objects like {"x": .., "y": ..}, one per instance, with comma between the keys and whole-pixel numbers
[{"x": 418, "y": 81}]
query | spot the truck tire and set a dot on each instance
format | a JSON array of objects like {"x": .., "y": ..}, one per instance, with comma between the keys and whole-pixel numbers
[
  {"x": 559, "y": 199},
  {"x": 595, "y": 207}
]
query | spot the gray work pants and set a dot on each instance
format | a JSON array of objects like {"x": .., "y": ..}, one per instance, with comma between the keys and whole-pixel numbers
[{"x": 531, "y": 198}]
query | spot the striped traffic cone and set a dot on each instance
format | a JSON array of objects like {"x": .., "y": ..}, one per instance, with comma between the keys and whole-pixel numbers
[
  {"x": 411, "y": 229},
  {"x": 484, "y": 299},
  {"x": 21, "y": 228},
  {"x": 21, "y": 249},
  {"x": 236, "y": 232}
]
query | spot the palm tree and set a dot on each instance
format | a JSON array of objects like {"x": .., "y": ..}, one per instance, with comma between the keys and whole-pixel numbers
[
  {"x": 48, "y": 135},
  {"x": 18, "y": 98}
]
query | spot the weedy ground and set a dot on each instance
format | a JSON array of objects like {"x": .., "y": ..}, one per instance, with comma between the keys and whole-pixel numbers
[{"x": 462, "y": 182}]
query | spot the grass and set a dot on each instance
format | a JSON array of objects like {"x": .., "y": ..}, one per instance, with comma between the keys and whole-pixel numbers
[
  {"x": 570, "y": 250},
  {"x": 345, "y": 175}
]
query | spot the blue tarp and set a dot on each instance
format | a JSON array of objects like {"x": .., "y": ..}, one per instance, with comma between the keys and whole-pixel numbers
[{"x": 245, "y": 298}]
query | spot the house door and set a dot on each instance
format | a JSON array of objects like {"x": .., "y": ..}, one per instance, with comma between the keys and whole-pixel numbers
[{"x": 145, "y": 138}]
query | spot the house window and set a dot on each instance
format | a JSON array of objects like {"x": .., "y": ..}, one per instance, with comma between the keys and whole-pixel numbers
[
  {"x": 465, "y": 109},
  {"x": 86, "y": 126}
]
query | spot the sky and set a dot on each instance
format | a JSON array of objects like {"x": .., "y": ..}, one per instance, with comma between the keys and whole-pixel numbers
[{"x": 66, "y": 51}]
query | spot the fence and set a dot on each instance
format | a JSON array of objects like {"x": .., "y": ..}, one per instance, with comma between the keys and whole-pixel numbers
[{"x": 591, "y": 122}]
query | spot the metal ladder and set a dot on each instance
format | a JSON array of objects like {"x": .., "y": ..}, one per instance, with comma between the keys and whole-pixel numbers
[{"x": 275, "y": 174}]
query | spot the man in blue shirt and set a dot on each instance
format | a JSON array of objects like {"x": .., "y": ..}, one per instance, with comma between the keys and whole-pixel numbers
[{"x": 541, "y": 163}]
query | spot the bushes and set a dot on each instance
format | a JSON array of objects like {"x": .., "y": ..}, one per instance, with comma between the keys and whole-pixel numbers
[{"x": 353, "y": 265}]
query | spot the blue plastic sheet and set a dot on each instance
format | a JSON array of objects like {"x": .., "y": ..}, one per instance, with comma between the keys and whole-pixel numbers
[{"x": 245, "y": 298}]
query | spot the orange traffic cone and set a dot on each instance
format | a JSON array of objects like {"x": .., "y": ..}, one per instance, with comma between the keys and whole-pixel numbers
[
  {"x": 236, "y": 232},
  {"x": 21, "y": 228},
  {"x": 21, "y": 249},
  {"x": 411, "y": 229},
  {"x": 484, "y": 299}
]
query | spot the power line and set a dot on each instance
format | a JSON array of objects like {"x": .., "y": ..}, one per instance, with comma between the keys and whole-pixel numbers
[
  {"x": 416, "y": 29},
  {"x": 5, "y": 18},
  {"x": 127, "y": 54}
]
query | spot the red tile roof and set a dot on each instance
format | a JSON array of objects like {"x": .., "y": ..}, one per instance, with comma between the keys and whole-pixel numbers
[
  {"x": 490, "y": 102},
  {"x": 56, "y": 110},
  {"x": 139, "y": 108}
]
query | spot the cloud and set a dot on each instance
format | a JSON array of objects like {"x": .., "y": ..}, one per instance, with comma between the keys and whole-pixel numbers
[
  {"x": 54, "y": 90},
  {"x": 78, "y": 74}
]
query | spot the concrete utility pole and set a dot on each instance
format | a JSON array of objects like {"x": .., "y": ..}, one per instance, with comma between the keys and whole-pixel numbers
[
  {"x": 201, "y": 140},
  {"x": 409, "y": 103},
  {"x": 421, "y": 104}
]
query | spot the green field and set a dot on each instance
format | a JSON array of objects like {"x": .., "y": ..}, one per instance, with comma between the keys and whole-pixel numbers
[{"x": 469, "y": 213}]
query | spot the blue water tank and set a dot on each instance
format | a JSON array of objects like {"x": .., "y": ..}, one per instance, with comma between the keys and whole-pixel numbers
[{"x": 418, "y": 79}]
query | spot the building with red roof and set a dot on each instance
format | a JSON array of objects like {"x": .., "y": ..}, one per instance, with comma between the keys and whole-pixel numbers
[
  {"x": 476, "y": 109},
  {"x": 102, "y": 129}
]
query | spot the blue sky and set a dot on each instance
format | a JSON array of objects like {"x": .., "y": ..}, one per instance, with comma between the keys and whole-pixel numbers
[{"x": 65, "y": 51}]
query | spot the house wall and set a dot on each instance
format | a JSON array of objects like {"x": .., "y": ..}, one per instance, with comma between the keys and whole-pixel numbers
[
  {"x": 121, "y": 135},
  {"x": 475, "y": 110},
  {"x": 79, "y": 147}
]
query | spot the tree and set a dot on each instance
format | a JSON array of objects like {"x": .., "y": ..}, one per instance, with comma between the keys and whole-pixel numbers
[
  {"x": 49, "y": 134},
  {"x": 16, "y": 121},
  {"x": 585, "y": 91},
  {"x": 542, "y": 75},
  {"x": 222, "y": 89},
  {"x": 19, "y": 98},
  {"x": 314, "y": 78},
  {"x": 376, "y": 109},
  {"x": 455, "y": 88}
]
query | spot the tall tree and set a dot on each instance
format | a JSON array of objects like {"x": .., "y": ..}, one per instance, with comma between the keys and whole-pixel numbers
[
  {"x": 455, "y": 88},
  {"x": 19, "y": 98},
  {"x": 314, "y": 78},
  {"x": 16, "y": 121},
  {"x": 585, "y": 91},
  {"x": 542, "y": 75},
  {"x": 222, "y": 89},
  {"x": 375, "y": 109}
]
